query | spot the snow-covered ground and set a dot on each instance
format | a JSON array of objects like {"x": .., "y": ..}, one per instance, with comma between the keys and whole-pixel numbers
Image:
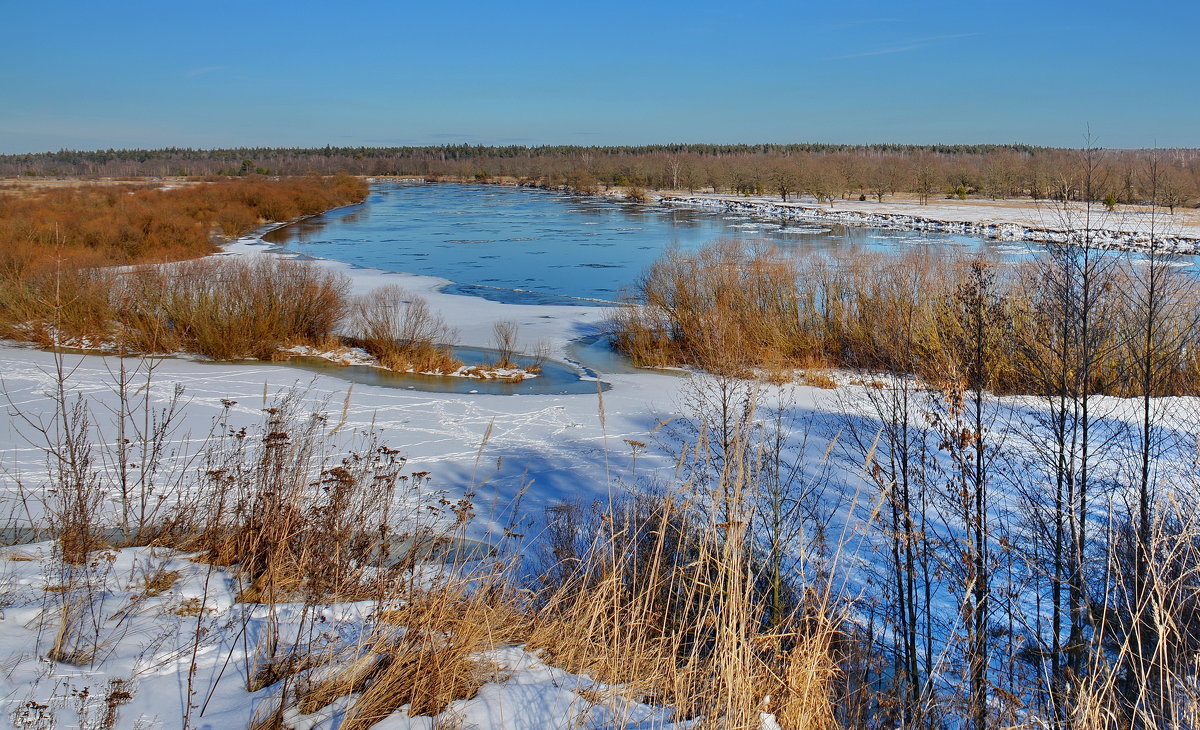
[
  {"x": 547, "y": 448},
  {"x": 558, "y": 440},
  {"x": 170, "y": 633},
  {"x": 542, "y": 448}
]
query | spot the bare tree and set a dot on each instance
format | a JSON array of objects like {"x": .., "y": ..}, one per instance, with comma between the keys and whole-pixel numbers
[
  {"x": 923, "y": 178},
  {"x": 785, "y": 178},
  {"x": 504, "y": 337},
  {"x": 1070, "y": 302},
  {"x": 1161, "y": 315},
  {"x": 964, "y": 420}
]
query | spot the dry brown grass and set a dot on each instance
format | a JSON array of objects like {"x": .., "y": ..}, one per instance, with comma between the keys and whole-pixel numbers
[
  {"x": 431, "y": 659},
  {"x": 818, "y": 380},
  {"x": 221, "y": 308},
  {"x": 128, "y": 224},
  {"x": 661, "y": 603},
  {"x": 733, "y": 310},
  {"x": 665, "y": 629},
  {"x": 229, "y": 308},
  {"x": 724, "y": 309},
  {"x": 55, "y": 245},
  {"x": 156, "y": 582},
  {"x": 423, "y": 654}
]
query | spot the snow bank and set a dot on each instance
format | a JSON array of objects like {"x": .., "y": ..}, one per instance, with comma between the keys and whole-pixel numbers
[{"x": 1118, "y": 237}]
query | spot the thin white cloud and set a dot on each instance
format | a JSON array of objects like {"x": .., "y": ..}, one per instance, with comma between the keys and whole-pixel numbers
[{"x": 911, "y": 45}]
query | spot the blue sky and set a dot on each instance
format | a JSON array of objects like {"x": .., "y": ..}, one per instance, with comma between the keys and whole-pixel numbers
[{"x": 212, "y": 74}]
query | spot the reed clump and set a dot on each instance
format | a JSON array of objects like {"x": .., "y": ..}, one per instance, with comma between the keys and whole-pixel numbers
[
  {"x": 229, "y": 308},
  {"x": 221, "y": 308},
  {"x": 232, "y": 308},
  {"x": 402, "y": 332},
  {"x": 668, "y": 605},
  {"x": 723, "y": 308},
  {"x": 738, "y": 310}
]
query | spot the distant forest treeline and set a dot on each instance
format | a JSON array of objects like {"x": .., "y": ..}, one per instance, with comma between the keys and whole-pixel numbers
[{"x": 823, "y": 171}]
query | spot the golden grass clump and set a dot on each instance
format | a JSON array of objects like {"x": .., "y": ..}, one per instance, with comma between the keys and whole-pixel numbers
[
  {"x": 430, "y": 657},
  {"x": 725, "y": 308},
  {"x": 230, "y": 308},
  {"x": 662, "y": 605},
  {"x": 221, "y": 308}
]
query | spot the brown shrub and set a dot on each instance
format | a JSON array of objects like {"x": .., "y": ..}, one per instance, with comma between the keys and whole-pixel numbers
[
  {"x": 723, "y": 308},
  {"x": 400, "y": 329},
  {"x": 231, "y": 308}
]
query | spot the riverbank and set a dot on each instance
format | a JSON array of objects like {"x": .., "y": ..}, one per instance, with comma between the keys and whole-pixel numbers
[
  {"x": 1132, "y": 229},
  {"x": 473, "y": 318},
  {"x": 1127, "y": 228}
]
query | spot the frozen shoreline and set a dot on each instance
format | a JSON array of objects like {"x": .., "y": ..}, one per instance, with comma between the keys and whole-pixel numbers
[
  {"x": 472, "y": 317},
  {"x": 1125, "y": 229},
  {"x": 1115, "y": 231}
]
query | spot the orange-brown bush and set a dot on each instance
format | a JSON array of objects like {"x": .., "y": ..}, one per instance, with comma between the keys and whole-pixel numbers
[
  {"x": 52, "y": 307},
  {"x": 231, "y": 308},
  {"x": 131, "y": 224},
  {"x": 723, "y": 308},
  {"x": 221, "y": 308}
]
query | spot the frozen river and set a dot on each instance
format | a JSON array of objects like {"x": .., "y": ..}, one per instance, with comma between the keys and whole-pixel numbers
[{"x": 531, "y": 246}]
